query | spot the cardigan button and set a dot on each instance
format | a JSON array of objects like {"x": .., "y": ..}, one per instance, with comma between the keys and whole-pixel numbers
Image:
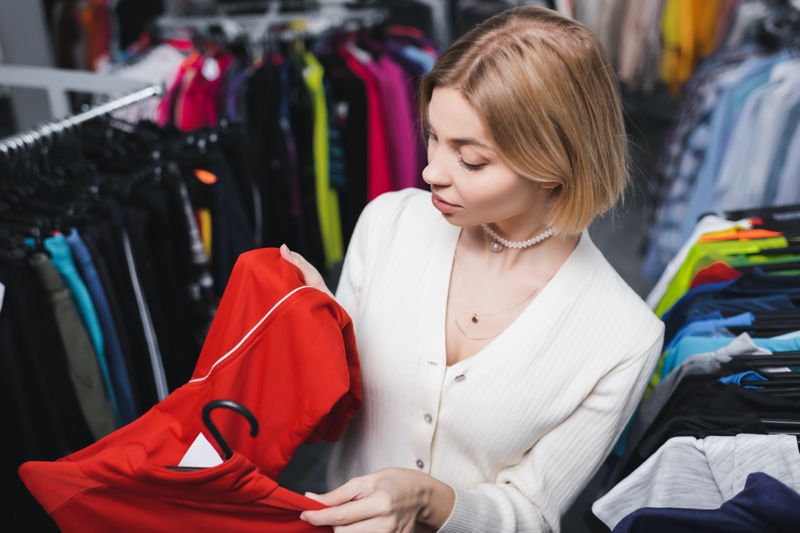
[
  {"x": 420, "y": 464},
  {"x": 428, "y": 418},
  {"x": 460, "y": 377}
]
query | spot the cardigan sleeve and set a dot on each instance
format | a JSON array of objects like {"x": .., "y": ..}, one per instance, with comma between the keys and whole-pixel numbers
[
  {"x": 372, "y": 232},
  {"x": 532, "y": 495},
  {"x": 351, "y": 279}
]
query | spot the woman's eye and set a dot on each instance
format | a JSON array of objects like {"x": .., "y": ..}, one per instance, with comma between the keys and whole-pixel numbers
[
  {"x": 470, "y": 167},
  {"x": 429, "y": 136}
]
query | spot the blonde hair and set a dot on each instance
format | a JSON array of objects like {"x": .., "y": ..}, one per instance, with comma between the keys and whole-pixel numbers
[{"x": 549, "y": 98}]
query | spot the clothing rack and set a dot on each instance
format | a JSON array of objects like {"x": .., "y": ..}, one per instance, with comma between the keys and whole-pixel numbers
[
  {"x": 28, "y": 139},
  {"x": 273, "y": 24}
]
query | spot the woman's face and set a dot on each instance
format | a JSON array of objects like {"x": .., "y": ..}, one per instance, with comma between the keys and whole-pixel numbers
[{"x": 471, "y": 183}]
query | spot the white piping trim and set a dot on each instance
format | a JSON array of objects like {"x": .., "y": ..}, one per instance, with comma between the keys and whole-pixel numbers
[{"x": 218, "y": 361}]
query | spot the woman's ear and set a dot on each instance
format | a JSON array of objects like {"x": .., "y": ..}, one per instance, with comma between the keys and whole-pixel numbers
[{"x": 548, "y": 184}]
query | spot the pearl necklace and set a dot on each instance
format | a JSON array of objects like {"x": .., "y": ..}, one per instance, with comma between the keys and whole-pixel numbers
[{"x": 499, "y": 243}]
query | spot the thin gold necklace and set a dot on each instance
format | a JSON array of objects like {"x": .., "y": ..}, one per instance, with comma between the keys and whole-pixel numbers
[
  {"x": 467, "y": 335},
  {"x": 475, "y": 314}
]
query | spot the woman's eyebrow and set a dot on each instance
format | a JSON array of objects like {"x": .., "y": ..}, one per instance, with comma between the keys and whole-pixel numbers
[{"x": 469, "y": 141}]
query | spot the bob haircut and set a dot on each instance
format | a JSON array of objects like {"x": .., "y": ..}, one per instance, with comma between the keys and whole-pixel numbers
[{"x": 549, "y": 98}]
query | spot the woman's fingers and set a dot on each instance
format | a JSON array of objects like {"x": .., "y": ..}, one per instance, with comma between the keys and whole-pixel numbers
[
  {"x": 350, "y": 512},
  {"x": 311, "y": 275}
]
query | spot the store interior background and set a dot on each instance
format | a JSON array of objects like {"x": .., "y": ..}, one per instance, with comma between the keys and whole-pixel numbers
[{"x": 25, "y": 40}]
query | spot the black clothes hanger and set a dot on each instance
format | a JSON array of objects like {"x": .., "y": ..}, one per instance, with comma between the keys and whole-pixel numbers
[
  {"x": 227, "y": 452},
  {"x": 789, "y": 358},
  {"x": 764, "y": 211},
  {"x": 782, "y": 266},
  {"x": 234, "y": 406},
  {"x": 766, "y": 331}
]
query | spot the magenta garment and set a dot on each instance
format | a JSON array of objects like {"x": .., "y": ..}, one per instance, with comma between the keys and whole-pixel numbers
[
  {"x": 397, "y": 106},
  {"x": 379, "y": 175}
]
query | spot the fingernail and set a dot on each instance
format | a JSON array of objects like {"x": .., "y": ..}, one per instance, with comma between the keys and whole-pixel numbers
[
  {"x": 303, "y": 517},
  {"x": 310, "y": 495}
]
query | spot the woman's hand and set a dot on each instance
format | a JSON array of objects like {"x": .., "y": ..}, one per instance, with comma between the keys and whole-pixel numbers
[
  {"x": 390, "y": 500},
  {"x": 311, "y": 275}
]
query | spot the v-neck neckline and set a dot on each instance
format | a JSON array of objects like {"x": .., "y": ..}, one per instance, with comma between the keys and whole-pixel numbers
[{"x": 559, "y": 291}]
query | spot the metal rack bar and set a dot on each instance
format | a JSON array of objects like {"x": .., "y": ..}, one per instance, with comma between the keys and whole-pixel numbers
[
  {"x": 30, "y": 138},
  {"x": 256, "y": 28}
]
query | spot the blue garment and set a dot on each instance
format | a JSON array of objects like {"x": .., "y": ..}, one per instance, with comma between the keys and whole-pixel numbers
[
  {"x": 421, "y": 57},
  {"x": 749, "y": 375},
  {"x": 758, "y": 282},
  {"x": 764, "y": 505},
  {"x": 62, "y": 259},
  {"x": 734, "y": 91},
  {"x": 783, "y": 149},
  {"x": 678, "y": 164},
  {"x": 676, "y": 314},
  {"x": 118, "y": 369},
  {"x": 786, "y": 336},
  {"x": 679, "y": 161},
  {"x": 690, "y": 295},
  {"x": 689, "y": 346},
  {"x": 754, "y": 286},
  {"x": 716, "y": 305},
  {"x": 770, "y": 302},
  {"x": 710, "y": 327}
]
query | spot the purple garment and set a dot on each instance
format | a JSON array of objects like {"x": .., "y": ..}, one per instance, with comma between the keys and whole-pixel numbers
[
  {"x": 414, "y": 71},
  {"x": 234, "y": 95},
  {"x": 400, "y": 122}
]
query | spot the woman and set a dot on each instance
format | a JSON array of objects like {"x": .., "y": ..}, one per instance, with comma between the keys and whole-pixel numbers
[{"x": 501, "y": 354}]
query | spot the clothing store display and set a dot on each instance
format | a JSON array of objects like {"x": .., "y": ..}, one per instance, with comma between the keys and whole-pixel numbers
[
  {"x": 710, "y": 162},
  {"x": 310, "y": 132},
  {"x": 601, "y": 364},
  {"x": 307, "y": 389},
  {"x": 85, "y": 372},
  {"x": 112, "y": 244},
  {"x": 725, "y": 388},
  {"x": 140, "y": 280}
]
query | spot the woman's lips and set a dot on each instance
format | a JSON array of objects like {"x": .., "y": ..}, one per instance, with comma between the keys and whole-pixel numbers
[{"x": 443, "y": 206}]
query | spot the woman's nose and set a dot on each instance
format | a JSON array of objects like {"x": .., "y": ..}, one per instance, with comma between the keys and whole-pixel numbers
[{"x": 434, "y": 172}]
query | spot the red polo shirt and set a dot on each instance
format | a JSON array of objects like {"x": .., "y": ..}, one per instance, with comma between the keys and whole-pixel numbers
[{"x": 283, "y": 350}]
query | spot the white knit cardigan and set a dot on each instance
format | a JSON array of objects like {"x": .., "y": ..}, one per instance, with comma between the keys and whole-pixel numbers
[{"x": 517, "y": 429}]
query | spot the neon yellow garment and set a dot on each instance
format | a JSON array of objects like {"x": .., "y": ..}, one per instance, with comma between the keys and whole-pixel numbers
[
  {"x": 701, "y": 253},
  {"x": 330, "y": 222},
  {"x": 204, "y": 216},
  {"x": 688, "y": 29}
]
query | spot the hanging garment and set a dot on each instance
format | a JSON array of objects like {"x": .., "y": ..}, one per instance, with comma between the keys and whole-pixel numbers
[
  {"x": 700, "y": 473},
  {"x": 122, "y": 490},
  {"x": 765, "y": 504},
  {"x": 284, "y": 350},
  {"x": 120, "y": 379}
]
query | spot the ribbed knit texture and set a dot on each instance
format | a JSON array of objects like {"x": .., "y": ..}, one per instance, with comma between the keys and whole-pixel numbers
[{"x": 519, "y": 428}]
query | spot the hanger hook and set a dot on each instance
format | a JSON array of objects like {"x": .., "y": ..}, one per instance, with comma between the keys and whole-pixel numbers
[{"x": 234, "y": 406}]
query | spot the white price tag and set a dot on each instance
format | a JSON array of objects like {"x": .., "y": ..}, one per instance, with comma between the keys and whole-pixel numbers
[{"x": 201, "y": 454}]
